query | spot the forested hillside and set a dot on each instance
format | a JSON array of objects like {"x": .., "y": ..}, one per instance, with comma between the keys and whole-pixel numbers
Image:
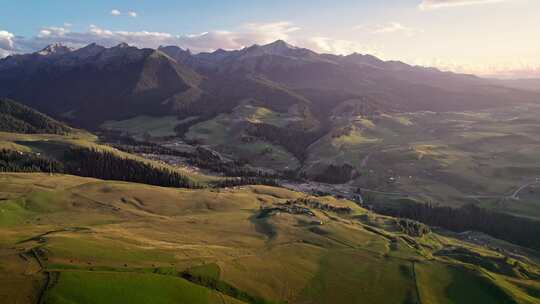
[{"x": 15, "y": 117}]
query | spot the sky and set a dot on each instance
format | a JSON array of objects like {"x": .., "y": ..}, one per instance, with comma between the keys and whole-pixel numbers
[{"x": 498, "y": 38}]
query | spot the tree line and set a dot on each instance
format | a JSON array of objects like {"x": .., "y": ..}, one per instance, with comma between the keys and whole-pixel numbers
[
  {"x": 202, "y": 157},
  {"x": 517, "y": 230},
  {"x": 16, "y": 161},
  {"x": 93, "y": 163},
  {"x": 243, "y": 181},
  {"x": 109, "y": 166}
]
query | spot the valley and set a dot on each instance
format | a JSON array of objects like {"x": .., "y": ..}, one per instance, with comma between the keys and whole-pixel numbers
[
  {"x": 270, "y": 174},
  {"x": 451, "y": 158}
]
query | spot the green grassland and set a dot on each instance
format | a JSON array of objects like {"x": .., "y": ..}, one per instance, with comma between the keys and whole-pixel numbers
[
  {"x": 94, "y": 241},
  {"x": 449, "y": 158},
  {"x": 226, "y": 133},
  {"x": 142, "y": 126},
  {"x": 116, "y": 287}
]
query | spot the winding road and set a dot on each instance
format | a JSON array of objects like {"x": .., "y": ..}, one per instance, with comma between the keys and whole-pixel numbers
[{"x": 514, "y": 195}]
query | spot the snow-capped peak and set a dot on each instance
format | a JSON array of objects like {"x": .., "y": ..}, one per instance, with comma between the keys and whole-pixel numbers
[
  {"x": 278, "y": 47},
  {"x": 55, "y": 49}
]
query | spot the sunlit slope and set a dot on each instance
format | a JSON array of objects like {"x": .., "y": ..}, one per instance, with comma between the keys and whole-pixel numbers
[
  {"x": 229, "y": 245},
  {"x": 54, "y": 146},
  {"x": 451, "y": 158}
]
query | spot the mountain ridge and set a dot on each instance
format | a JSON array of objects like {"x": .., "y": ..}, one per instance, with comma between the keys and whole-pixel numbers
[{"x": 92, "y": 84}]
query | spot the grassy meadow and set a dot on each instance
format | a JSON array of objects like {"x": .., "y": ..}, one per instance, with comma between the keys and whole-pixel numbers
[{"x": 69, "y": 239}]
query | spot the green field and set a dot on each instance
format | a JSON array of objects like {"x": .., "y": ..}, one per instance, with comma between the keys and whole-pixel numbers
[
  {"x": 226, "y": 133},
  {"x": 450, "y": 158},
  {"x": 145, "y": 126},
  {"x": 110, "y": 242},
  {"x": 111, "y": 287}
]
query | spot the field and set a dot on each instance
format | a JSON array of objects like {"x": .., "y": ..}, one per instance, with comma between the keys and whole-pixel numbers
[
  {"x": 144, "y": 126},
  {"x": 226, "y": 133},
  {"x": 129, "y": 242},
  {"x": 449, "y": 158}
]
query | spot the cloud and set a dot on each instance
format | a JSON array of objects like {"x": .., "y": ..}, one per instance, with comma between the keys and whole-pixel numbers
[
  {"x": 511, "y": 68},
  {"x": 338, "y": 46},
  {"x": 7, "y": 44},
  {"x": 435, "y": 4},
  {"x": 6, "y": 40},
  {"x": 4, "y": 53},
  {"x": 391, "y": 27},
  {"x": 116, "y": 12},
  {"x": 244, "y": 35},
  {"x": 52, "y": 31},
  {"x": 237, "y": 38}
]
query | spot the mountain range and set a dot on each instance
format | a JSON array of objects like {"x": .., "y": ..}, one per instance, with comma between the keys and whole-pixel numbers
[{"x": 90, "y": 85}]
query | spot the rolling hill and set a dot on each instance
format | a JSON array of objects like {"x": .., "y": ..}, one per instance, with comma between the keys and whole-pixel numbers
[{"x": 80, "y": 240}]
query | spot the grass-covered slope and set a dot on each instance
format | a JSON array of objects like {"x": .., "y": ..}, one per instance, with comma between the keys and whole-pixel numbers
[
  {"x": 81, "y": 240},
  {"x": 79, "y": 152},
  {"x": 15, "y": 117}
]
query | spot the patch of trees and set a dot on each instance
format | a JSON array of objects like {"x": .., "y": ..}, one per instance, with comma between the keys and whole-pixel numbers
[
  {"x": 295, "y": 141},
  {"x": 150, "y": 148},
  {"x": 291, "y": 209},
  {"x": 15, "y": 117},
  {"x": 223, "y": 287},
  {"x": 244, "y": 181},
  {"x": 517, "y": 230},
  {"x": 413, "y": 228},
  {"x": 15, "y": 161},
  {"x": 319, "y": 205},
  {"x": 97, "y": 164},
  {"x": 336, "y": 174},
  {"x": 108, "y": 166}
]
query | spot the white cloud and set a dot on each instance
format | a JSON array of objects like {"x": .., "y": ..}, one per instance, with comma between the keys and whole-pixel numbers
[
  {"x": 52, "y": 31},
  {"x": 511, "y": 68},
  {"x": 7, "y": 43},
  {"x": 435, "y": 4},
  {"x": 4, "y": 53},
  {"x": 242, "y": 36},
  {"x": 115, "y": 12},
  {"x": 6, "y": 40},
  {"x": 245, "y": 35},
  {"x": 338, "y": 46},
  {"x": 391, "y": 27},
  {"x": 132, "y": 14}
]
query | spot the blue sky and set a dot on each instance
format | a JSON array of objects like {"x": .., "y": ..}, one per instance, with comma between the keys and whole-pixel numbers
[
  {"x": 480, "y": 36},
  {"x": 191, "y": 16}
]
